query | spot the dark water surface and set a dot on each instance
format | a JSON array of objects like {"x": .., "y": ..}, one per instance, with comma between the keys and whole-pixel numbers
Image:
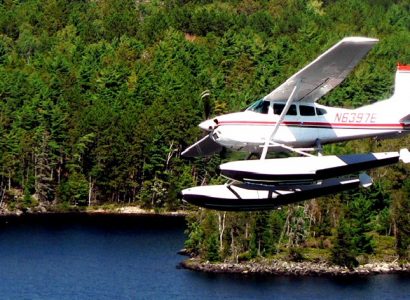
[{"x": 109, "y": 257}]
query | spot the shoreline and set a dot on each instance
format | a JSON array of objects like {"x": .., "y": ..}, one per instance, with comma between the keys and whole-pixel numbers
[
  {"x": 260, "y": 268},
  {"x": 121, "y": 210},
  {"x": 285, "y": 268}
]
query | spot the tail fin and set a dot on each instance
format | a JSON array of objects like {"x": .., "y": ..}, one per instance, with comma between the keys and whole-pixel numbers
[{"x": 402, "y": 84}]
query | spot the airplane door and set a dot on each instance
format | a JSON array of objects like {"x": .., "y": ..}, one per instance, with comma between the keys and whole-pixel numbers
[
  {"x": 287, "y": 133},
  {"x": 308, "y": 131}
]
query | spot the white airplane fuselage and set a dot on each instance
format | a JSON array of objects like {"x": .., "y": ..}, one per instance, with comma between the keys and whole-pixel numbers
[
  {"x": 281, "y": 125},
  {"x": 248, "y": 130}
]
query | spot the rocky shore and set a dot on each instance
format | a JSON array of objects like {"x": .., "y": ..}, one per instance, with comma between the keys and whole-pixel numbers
[
  {"x": 285, "y": 268},
  {"x": 4, "y": 211}
]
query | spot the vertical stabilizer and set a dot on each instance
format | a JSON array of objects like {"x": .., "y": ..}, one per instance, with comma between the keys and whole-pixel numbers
[{"x": 402, "y": 84}]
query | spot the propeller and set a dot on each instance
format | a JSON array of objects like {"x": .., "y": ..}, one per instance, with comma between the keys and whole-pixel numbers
[
  {"x": 208, "y": 125},
  {"x": 207, "y": 145},
  {"x": 207, "y": 104}
]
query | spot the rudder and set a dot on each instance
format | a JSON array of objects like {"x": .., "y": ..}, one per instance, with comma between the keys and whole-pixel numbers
[{"x": 402, "y": 84}]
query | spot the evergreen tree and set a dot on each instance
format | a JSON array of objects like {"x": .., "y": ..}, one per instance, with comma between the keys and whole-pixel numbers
[
  {"x": 402, "y": 219},
  {"x": 344, "y": 250}
]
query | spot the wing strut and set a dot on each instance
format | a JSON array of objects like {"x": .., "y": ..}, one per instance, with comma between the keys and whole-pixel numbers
[{"x": 280, "y": 120}]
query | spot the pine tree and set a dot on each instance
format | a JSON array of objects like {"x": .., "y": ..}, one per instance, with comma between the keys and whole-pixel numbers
[
  {"x": 344, "y": 250},
  {"x": 402, "y": 220}
]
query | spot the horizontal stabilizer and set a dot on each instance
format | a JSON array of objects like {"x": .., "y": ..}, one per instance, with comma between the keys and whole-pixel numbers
[
  {"x": 405, "y": 156},
  {"x": 204, "y": 147},
  {"x": 406, "y": 119}
]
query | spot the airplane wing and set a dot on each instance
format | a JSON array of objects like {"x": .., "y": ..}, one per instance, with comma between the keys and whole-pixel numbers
[
  {"x": 204, "y": 147},
  {"x": 325, "y": 72}
]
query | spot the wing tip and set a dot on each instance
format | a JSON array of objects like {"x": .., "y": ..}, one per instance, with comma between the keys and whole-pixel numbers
[{"x": 360, "y": 39}]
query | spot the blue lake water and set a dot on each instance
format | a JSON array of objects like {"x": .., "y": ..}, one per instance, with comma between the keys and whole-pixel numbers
[{"x": 108, "y": 257}]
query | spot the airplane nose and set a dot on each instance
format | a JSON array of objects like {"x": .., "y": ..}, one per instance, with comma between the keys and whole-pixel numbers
[{"x": 208, "y": 125}]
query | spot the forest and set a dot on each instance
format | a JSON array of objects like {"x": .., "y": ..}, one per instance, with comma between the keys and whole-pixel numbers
[{"x": 99, "y": 99}]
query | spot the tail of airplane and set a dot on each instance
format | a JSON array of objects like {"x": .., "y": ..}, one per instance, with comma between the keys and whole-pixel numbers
[{"x": 402, "y": 85}]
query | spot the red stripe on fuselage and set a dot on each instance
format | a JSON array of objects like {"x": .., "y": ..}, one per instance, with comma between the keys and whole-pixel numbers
[{"x": 321, "y": 124}]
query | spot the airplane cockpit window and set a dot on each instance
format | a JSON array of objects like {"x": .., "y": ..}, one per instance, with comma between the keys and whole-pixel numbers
[
  {"x": 260, "y": 106},
  {"x": 307, "y": 110},
  {"x": 320, "y": 111},
  {"x": 278, "y": 108}
]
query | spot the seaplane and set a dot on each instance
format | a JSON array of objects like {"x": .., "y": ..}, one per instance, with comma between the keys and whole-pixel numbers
[{"x": 289, "y": 119}]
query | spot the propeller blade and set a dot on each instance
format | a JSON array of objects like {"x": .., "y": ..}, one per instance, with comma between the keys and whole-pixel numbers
[
  {"x": 204, "y": 147},
  {"x": 207, "y": 104}
]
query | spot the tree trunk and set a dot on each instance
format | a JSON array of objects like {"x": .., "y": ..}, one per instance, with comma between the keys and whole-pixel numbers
[
  {"x": 90, "y": 190},
  {"x": 221, "y": 223},
  {"x": 3, "y": 192},
  {"x": 171, "y": 153},
  {"x": 233, "y": 250},
  {"x": 285, "y": 226}
]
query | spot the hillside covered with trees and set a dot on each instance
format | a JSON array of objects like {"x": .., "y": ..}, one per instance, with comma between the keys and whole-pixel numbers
[{"x": 99, "y": 98}]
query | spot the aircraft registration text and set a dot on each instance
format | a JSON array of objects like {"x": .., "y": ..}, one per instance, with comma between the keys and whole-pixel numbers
[{"x": 354, "y": 117}]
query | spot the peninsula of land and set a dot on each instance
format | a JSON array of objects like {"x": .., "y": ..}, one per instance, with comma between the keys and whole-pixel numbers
[{"x": 288, "y": 268}]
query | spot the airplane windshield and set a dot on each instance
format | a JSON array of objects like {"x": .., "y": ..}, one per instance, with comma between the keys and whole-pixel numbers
[{"x": 259, "y": 106}]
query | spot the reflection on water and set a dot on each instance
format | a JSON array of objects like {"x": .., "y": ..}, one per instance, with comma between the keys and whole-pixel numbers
[{"x": 126, "y": 257}]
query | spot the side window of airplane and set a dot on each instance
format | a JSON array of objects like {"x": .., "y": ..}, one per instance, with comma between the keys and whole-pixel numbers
[
  {"x": 292, "y": 110},
  {"x": 306, "y": 110},
  {"x": 260, "y": 106},
  {"x": 320, "y": 111},
  {"x": 278, "y": 108}
]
